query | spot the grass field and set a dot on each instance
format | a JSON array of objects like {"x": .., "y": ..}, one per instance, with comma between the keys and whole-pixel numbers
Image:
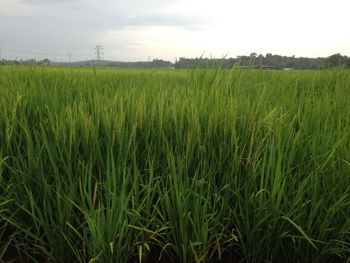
[{"x": 120, "y": 165}]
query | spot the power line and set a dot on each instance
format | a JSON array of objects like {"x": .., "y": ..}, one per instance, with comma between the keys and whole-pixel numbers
[
  {"x": 99, "y": 52},
  {"x": 33, "y": 52},
  {"x": 16, "y": 50},
  {"x": 30, "y": 54},
  {"x": 86, "y": 48}
]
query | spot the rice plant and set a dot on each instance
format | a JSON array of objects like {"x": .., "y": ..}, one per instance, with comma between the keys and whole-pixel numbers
[{"x": 205, "y": 165}]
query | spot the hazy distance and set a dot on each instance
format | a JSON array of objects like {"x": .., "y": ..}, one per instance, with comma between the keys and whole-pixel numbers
[{"x": 141, "y": 30}]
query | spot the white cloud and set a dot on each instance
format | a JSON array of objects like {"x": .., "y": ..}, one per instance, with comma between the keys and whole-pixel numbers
[{"x": 137, "y": 29}]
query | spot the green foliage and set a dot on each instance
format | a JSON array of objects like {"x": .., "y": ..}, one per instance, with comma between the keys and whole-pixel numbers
[
  {"x": 268, "y": 61},
  {"x": 101, "y": 165},
  {"x": 337, "y": 60}
]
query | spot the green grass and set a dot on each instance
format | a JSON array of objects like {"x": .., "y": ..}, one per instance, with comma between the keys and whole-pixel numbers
[{"x": 106, "y": 165}]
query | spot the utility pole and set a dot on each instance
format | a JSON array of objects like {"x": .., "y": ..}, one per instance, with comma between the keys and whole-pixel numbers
[{"x": 99, "y": 52}]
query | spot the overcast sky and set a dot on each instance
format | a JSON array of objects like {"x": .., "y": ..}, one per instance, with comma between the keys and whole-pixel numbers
[{"x": 141, "y": 29}]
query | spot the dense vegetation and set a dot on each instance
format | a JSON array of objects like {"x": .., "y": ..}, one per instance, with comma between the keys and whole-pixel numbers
[
  {"x": 101, "y": 165},
  {"x": 269, "y": 61},
  {"x": 254, "y": 60}
]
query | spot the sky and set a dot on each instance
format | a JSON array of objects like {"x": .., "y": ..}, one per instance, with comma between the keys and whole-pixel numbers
[{"x": 141, "y": 30}]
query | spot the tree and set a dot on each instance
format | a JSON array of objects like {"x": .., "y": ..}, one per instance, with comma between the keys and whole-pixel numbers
[
  {"x": 336, "y": 60},
  {"x": 46, "y": 61},
  {"x": 253, "y": 55}
]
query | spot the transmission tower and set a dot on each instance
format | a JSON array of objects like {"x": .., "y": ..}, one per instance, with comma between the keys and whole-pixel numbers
[{"x": 99, "y": 52}]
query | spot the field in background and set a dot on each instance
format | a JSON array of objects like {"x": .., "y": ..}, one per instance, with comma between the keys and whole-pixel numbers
[{"x": 106, "y": 165}]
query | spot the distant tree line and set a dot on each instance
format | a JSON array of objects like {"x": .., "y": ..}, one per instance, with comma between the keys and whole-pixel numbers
[
  {"x": 25, "y": 62},
  {"x": 156, "y": 63},
  {"x": 337, "y": 60},
  {"x": 269, "y": 61}
]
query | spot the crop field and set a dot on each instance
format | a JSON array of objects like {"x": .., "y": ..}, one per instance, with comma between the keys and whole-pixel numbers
[{"x": 140, "y": 165}]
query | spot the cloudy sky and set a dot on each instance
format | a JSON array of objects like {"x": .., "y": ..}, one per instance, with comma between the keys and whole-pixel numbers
[{"x": 142, "y": 29}]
